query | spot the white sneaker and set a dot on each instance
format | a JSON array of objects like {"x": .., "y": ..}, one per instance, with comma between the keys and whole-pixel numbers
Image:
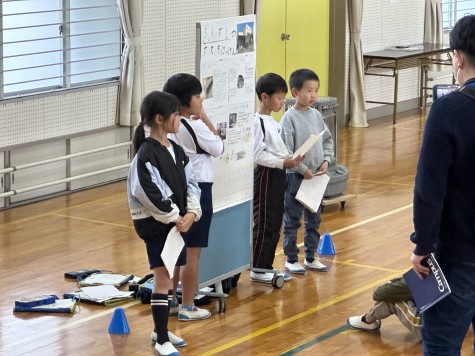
[
  {"x": 294, "y": 267},
  {"x": 262, "y": 277},
  {"x": 195, "y": 314},
  {"x": 167, "y": 349},
  {"x": 316, "y": 265},
  {"x": 175, "y": 340},
  {"x": 355, "y": 322},
  {"x": 173, "y": 311},
  {"x": 285, "y": 276}
]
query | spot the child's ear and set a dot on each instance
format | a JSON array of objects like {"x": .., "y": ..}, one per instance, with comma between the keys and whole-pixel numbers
[
  {"x": 294, "y": 92},
  {"x": 158, "y": 119}
]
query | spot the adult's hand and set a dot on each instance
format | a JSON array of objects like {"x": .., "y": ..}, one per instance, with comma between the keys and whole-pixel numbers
[{"x": 417, "y": 266}]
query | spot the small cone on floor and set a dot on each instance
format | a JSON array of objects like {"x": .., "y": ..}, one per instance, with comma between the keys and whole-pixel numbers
[
  {"x": 119, "y": 324},
  {"x": 326, "y": 245}
]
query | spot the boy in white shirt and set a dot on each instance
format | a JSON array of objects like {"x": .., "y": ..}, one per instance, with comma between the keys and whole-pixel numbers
[
  {"x": 201, "y": 142},
  {"x": 270, "y": 158}
]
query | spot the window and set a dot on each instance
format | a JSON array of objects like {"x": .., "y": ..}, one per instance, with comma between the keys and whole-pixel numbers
[
  {"x": 57, "y": 44},
  {"x": 453, "y": 10}
]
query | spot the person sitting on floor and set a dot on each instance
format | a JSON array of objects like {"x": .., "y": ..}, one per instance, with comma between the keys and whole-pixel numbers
[{"x": 391, "y": 298}]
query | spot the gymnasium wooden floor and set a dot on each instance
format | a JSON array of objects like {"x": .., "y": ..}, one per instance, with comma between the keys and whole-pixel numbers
[{"x": 41, "y": 241}]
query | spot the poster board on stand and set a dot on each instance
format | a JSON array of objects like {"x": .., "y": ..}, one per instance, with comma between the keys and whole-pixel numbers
[{"x": 226, "y": 66}]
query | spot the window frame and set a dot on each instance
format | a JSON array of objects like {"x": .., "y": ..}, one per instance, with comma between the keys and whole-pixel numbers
[
  {"x": 450, "y": 10},
  {"x": 65, "y": 63}
]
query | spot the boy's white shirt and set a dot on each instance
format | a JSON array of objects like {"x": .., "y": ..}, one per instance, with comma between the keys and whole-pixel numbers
[
  {"x": 208, "y": 141},
  {"x": 269, "y": 149}
]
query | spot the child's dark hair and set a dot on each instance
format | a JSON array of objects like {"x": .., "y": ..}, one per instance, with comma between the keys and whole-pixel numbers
[
  {"x": 183, "y": 86},
  {"x": 300, "y": 76},
  {"x": 156, "y": 102},
  {"x": 462, "y": 37},
  {"x": 271, "y": 83}
]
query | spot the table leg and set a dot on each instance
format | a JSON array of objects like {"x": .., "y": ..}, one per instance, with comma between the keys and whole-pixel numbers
[
  {"x": 396, "y": 83},
  {"x": 421, "y": 88}
]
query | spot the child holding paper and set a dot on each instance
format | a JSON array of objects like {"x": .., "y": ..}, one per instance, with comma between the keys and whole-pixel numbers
[
  {"x": 201, "y": 142},
  {"x": 162, "y": 194},
  {"x": 298, "y": 123},
  {"x": 271, "y": 158}
]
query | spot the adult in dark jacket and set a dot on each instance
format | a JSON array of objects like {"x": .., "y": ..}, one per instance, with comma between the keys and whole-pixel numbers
[{"x": 444, "y": 200}]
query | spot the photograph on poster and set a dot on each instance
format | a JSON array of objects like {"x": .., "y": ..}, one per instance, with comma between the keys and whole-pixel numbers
[
  {"x": 240, "y": 81},
  {"x": 232, "y": 119},
  {"x": 246, "y": 134},
  {"x": 207, "y": 87},
  {"x": 221, "y": 127},
  {"x": 240, "y": 155},
  {"x": 245, "y": 37}
]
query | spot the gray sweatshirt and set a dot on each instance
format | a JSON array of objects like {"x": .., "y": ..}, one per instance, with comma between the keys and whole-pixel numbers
[{"x": 297, "y": 126}]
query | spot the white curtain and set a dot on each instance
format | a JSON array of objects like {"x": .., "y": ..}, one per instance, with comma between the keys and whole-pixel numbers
[
  {"x": 356, "y": 83},
  {"x": 132, "y": 83},
  {"x": 433, "y": 26}
]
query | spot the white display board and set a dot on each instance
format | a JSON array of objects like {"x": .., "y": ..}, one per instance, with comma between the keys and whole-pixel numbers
[{"x": 226, "y": 66}]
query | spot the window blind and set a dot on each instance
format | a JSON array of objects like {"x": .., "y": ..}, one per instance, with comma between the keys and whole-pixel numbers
[{"x": 48, "y": 45}]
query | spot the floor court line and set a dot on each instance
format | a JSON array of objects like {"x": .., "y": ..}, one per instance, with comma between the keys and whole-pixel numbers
[
  {"x": 92, "y": 221},
  {"x": 317, "y": 340},
  {"x": 56, "y": 211},
  {"x": 380, "y": 183},
  {"x": 69, "y": 325},
  {"x": 350, "y": 263},
  {"x": 312, "y": 310},
  {"x": 358, "y": 224}
]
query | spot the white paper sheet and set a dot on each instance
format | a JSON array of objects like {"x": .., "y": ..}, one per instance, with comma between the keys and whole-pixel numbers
[
  {"x": 311, "y": 191},
  {"x": 172, "y": 249},
  {"x": 302, "y": 150},
  {"x": 103, "y": 278},
  {"x": 104, "y": 291}
]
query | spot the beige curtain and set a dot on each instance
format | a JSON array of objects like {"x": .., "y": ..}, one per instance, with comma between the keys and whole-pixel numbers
[
  {"x": 131, "y": 88},
  {"x": 433, "y": 26},
  {"x": 356, "y": 83}
]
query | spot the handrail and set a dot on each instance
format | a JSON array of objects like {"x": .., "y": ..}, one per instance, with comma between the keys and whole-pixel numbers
[
  {"x": 64, "y": 180},
  {"x": 61, "y": 158}
]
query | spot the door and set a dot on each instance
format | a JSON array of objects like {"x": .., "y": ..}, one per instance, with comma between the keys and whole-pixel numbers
[
  {"x": 293, "y": 34},
  {"x": 307, "y": 24}
]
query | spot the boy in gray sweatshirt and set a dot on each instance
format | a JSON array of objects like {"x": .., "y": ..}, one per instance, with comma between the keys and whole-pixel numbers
[{"x": 298, "y": 123}]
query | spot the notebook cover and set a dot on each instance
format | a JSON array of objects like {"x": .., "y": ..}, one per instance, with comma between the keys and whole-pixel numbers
[{"x": 431, "y": 289}]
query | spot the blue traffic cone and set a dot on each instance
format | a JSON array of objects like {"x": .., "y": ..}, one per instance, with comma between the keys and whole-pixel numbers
[
  {"x": 326, "y": 245},
  {"x": 119, "y": 323}
]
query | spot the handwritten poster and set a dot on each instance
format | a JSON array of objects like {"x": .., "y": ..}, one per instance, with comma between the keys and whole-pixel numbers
[{"x": 226, "y": 65}]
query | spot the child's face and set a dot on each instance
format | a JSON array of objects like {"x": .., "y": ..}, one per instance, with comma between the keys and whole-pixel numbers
[
  {"x": 196, "y": 104},
  {"x": 172, "y": 124},
  {"x": 308, "y": 94},
  {"x": 274, "y": 102}
]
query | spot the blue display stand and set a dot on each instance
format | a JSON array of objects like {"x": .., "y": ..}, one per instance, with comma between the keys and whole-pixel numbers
[{"x": 229, "y": 250}]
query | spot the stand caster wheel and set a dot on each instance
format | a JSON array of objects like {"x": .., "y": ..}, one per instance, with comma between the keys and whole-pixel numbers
[{"x": 277, "y": 281}]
